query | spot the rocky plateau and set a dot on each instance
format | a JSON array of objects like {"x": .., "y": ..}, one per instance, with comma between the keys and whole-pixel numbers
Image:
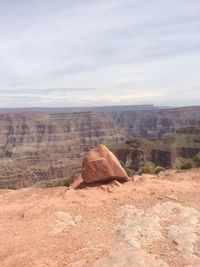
[{"x": 151, "y": 221}]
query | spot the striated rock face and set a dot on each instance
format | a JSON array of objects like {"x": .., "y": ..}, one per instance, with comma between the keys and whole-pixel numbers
[
  {"x": 168, "y": 152},
  {"x": 37, "y": 146},
  {"x": 101, "y": 165},
  {"x": 46, "y": 148},
  {"x": 156, "y": 123}
]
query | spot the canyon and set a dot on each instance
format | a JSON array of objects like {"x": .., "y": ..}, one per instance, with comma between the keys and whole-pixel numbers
[
  {"x": 169, "y": 151},
  {"x": 156, "y": 122},
  {"x": 143, "y": 220},
  {"x": 36, "y": 149},
  {"x": 40, "y": 147}
]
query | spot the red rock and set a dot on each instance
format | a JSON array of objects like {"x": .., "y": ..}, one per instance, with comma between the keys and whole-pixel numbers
[
  {"x": 77, "y": 181},
  {"x": 101, "y": 165}
]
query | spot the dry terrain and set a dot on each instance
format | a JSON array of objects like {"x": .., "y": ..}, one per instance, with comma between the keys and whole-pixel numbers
[{"x": 152, "y": 221}]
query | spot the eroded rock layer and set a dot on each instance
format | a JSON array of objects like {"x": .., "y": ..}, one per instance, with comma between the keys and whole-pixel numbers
[
  {"x": 168, "y": 152},
  {"x": 156, "y": 123},
  {"x": 37, "y": 146},
  {"x": 46, "y": 148}
]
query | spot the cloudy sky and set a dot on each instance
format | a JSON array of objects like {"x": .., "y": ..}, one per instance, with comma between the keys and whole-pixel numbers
[{"x": 99, "y": 52}]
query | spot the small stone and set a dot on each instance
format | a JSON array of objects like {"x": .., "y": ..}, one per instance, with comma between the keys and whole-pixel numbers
[
  {"x": 103, "y": 187},
  {"x": 78, "y": 218},
  {"x": 109, "y": 190},
  {"x": 81, "y": 263},
  {"x": 115, "y": 183}
]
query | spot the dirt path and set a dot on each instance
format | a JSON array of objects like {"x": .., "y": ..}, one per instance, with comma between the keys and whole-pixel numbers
[{"x": 153, "y": 221}]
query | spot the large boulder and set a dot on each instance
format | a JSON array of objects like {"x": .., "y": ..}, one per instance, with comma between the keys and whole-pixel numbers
[{"x": 100, "y": 164}]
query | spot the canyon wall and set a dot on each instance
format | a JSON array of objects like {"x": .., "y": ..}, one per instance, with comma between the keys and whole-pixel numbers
[
  {"x": 168, "y": 152},
  {"x": 43, "y": 148},
  {"x": 36, "y": 149},
  {"x": 155, "y": 123}
]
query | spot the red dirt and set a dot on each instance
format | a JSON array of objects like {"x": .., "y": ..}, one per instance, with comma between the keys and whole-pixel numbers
[{"x": 35, "y": 232}]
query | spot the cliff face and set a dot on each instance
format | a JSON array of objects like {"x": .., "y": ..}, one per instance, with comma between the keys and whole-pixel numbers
[
  {"x": 168, "y": 152},
  {"x": 156, "y": 123},
  {"x": 38, "y": 148},
  {"x": 44, "y": 148},
  {"x": 164, "y": 137}
]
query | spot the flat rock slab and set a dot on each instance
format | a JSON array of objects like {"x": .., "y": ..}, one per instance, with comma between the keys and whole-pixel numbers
[
  {"x": 127, "y": 257},
  {"x": 138, "y": 229},
  {"x": 81, "y": 263},
  {"x": 64, "y": 221}
]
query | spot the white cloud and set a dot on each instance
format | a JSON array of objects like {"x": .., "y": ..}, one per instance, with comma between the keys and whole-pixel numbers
[{"x": 129, "y": 51}]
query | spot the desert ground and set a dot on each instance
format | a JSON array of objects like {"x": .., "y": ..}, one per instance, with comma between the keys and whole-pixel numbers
[{"x": 149, "y": 221}]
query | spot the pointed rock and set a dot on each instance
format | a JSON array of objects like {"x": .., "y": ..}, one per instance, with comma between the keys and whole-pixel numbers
[{"x": 101, "y": 165}]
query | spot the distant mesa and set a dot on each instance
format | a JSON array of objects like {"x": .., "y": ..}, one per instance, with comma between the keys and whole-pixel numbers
[
  {"x": 57, "y": 110},
  {"x": 101, "y": 165}
]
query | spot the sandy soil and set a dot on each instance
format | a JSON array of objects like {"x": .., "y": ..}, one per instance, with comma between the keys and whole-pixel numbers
[{"x": 152, "y": 221}]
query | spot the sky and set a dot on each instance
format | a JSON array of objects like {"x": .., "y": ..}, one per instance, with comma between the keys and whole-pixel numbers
[{"x": 57, "y": 53}]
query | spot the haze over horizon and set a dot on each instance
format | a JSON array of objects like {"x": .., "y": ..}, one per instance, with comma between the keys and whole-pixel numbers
[{"x": 96, "y": 53}]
